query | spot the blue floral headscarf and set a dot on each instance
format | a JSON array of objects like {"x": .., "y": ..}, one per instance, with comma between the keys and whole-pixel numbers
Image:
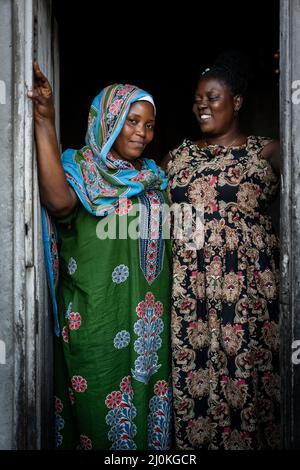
[{"x": 98, "y": 178}]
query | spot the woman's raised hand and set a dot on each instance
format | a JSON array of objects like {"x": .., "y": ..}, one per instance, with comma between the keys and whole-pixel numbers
[{"x": 42, "y": 96}]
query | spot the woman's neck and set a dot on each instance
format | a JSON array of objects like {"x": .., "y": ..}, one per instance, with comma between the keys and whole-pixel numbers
[
  {"x": 137, "y": 163},
  {"x": 234, "y": 137}
]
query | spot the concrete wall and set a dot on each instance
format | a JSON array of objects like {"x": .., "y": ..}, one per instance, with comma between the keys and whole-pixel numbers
[
  {"x": 26, "y": 326},
  {"x": 6, "y": 229}
]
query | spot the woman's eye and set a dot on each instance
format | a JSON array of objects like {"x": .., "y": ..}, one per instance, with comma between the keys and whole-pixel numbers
[
  {"x": 150, "y": 126},
  {"x": 132, "y": 121},
  {"x": 210, "y": 98}
]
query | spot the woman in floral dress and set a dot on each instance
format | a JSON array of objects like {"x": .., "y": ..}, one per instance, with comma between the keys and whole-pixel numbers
[
  {"x": 225, "y": 336},
  {"x": 112, "y": 299}
]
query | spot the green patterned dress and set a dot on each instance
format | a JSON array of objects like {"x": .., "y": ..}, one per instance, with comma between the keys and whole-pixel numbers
[{"x": 112, "y": 359}]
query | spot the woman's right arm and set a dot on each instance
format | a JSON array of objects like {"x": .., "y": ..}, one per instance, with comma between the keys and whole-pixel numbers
[{"x": 55, "y": 192}]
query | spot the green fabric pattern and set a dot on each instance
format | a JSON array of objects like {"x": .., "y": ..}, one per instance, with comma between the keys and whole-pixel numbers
[{"x": 113, "y": 322}]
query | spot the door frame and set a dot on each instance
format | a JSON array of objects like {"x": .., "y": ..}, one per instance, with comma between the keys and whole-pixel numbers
[{"x": 290, "y": 222}]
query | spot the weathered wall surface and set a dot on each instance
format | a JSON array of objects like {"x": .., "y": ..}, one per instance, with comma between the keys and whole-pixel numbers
[{"x": 26, "y": 414}]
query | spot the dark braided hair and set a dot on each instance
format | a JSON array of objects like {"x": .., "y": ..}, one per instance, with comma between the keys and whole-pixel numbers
[{"x": 233, "y": 68}]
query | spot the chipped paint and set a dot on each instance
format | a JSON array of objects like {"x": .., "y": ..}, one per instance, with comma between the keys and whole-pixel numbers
[
  {"x": 2, "y": 352},
  {"x": 2, "y": 92}
]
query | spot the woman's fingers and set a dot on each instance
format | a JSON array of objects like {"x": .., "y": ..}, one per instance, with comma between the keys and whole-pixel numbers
[
  {"x": 38, "y": 73},
  {"x": 35, "y": 93},
  {"x": 40, "y": 79},
  {"x": 37, "y": 96},
  {"x": 41, "y": 95},
  {"x": 42, "y": 89}
]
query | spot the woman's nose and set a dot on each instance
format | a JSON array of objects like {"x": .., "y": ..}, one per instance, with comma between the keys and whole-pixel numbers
[
  {"x": 203, "y": 104},
  {"x": 140, "y": 130}
]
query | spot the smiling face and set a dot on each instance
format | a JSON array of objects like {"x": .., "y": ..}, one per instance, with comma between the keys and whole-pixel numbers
[
  {"x": 215, "y": 107},
  {"x": 137, "y": 132}
]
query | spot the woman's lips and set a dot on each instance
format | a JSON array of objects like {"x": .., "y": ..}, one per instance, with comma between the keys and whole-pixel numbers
[
  {"x": 205, "y": 117},
  {"x": 137, "y": 144}
]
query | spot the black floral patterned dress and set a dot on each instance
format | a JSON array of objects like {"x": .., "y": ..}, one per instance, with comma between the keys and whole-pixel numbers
[{"x": 225, "y": 336}]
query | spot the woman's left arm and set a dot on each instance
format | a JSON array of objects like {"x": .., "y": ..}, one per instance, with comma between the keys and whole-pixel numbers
[{"x": 271, "y": 152}]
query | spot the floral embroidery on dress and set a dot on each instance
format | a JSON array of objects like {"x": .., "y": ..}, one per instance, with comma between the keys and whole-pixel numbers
[
  {"x": 69, "y": 310},
  {"x": 58, "y": 405},
  {"x": 151, "y": 242},
  {"x": 148, "y": 329},
  {"x": 59, "y": 421},
  {"x": 159, "y": 431},
  {"x": 120, "y": 274},
  {"x": 120, "y": 416},
  {"x": 85, "y": 442},
  {"x": 72, "y": 266},
  {"x": 202, "y": 193},
  {"x": 65, "y": 334},
  {"x": 79, "y": 383},
  {"x": 75, "y": 320},
  {"x": 122, "y": 339},
  {"x": 71, "y": 395}
]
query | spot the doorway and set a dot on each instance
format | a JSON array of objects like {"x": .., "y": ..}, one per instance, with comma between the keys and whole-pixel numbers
[{"x": 166, "y": 55}]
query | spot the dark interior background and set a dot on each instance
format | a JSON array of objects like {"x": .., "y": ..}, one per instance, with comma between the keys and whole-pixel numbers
[{"x": 164, "y": 50}]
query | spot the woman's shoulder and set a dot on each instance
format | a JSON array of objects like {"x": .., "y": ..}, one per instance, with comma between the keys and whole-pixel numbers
[
  {"x": 264, "y": 146},
  {"x": 268, "y": 148},
  {"x": 261, "y": 141}
]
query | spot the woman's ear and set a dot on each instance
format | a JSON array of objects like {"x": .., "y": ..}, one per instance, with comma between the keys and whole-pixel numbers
[{"x": 237, "y": 102}]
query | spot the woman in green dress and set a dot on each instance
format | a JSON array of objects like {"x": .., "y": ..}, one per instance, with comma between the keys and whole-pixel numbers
[{"x": 112, "y": 300}]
